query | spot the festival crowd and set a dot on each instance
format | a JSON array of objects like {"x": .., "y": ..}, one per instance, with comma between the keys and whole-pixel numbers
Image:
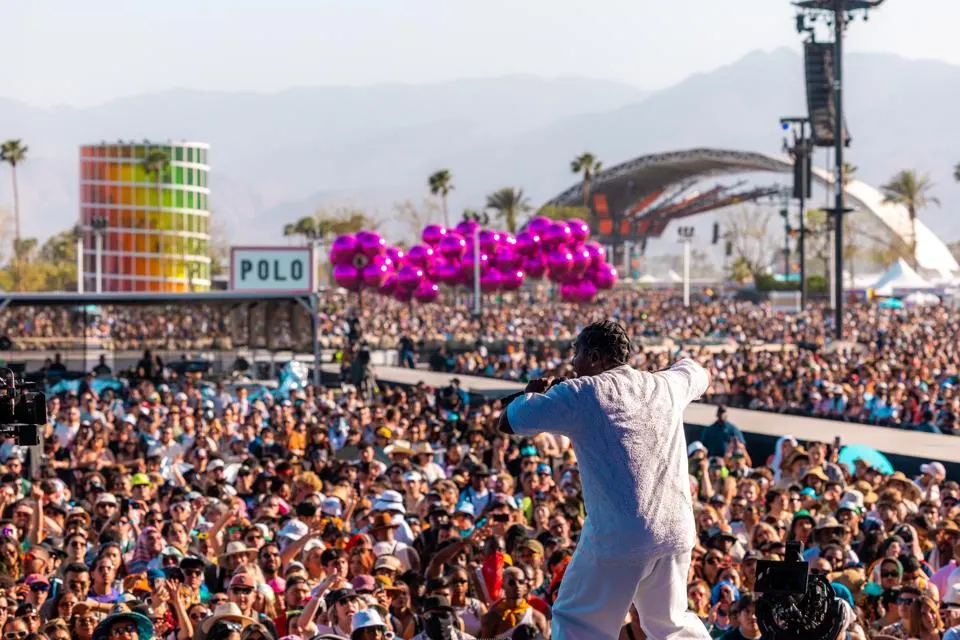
[{"x": 178, "y": 508}]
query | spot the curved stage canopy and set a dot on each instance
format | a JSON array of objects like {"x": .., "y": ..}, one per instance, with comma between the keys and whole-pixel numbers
[{"x": 631, "y": 188}]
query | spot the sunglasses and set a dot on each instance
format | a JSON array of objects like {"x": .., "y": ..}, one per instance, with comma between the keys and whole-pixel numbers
[
  {"x": 199, "y": 615},
  {"x": 193, "y": 571},
  {"x": 905, "y": 601},
  {"x": 889, "y": 574},
  {"x": 242, "y": 590},
  {"x": 516, "y": 583},
  {"x": 39, "y": 587},
  {"x": 460, "y": 581},
  {"x": 122, "y": 630},
  {"x": 14, "y": 635}
]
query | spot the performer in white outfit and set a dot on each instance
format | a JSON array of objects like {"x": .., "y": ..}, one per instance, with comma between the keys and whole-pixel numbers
[{"x": 627, "y": 431}]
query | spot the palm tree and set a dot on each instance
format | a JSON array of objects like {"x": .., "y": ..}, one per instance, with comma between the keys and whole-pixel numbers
[
  {"x": 441, "y": 184},
  {"x": 507, "y": 203},
  {"x": 913, "y": 192},
  {"x": 849, "y": 171},
  {"x": 155, "y": 165},
  {"x": 13, "y": 152},
  {"x": 586, "y": 164}
]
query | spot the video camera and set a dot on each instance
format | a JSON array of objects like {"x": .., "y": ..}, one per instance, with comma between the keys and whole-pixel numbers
[
  {"x": 794, "y": 604},
  {"x": 22, "y": 413}
]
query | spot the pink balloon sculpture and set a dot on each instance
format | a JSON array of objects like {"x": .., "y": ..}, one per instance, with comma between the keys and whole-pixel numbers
[
  {"x": 535, "y": 267},
  {"x": 433, "y": 234},
  {"x": 426, "y": 291},
  {"x": 343, "y": 249},
  {"x": 559, "y": 263},
  {"x": 513, "y": 280},
  {"x": 489, "y": 240},
  {"x": 568, "y": 292},
  {"x": 586, "y": 291},
  {"x": 581, "y": 261},
  {"x": 579, "y": 229},
  {"x": 605, "y": 277},
  {"x": 375, "y": 273},
  {"x": 467, "y": 228},
  {"x": 506, "y": 258},
  {"x": 403, "y": 295},
  {"x": 409, "y": 277},
  {"x": 347, "y": 276},
  {"x": 490, "y": 281},
  {"x": 389, "y": 285},
  {"x": 597, "y": 253},
  {"x": 556, "y": 234},
  {"x": 537, "y": 225},
  {"x": 420, "y": 255},
  {"x": 448, "y": 273},
  {"x": 528, "y": 243},
  {"x": 371, "y": 244},
  {"x": 453, "y": 246},
  {"x": 396, "y": 255}
]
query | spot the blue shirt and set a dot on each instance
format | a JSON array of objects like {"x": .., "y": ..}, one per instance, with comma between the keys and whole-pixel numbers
[{"x": 717, "y": 436}]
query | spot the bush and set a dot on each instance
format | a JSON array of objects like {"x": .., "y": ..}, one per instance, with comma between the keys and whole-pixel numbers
[{"x": 766, "y": 282}]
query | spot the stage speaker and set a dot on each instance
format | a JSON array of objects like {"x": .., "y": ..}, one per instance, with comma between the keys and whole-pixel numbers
[{"x": 818, "y": 64}]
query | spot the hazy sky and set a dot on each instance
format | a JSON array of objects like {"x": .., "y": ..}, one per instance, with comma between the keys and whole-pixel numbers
[{"x": 84, "y": 52}]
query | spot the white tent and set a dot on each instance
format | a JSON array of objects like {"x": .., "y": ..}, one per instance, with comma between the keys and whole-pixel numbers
[
  {"x": 900, "y": 276},
  {"x": 648, "y": 279},
  {"x": 673, "y": 276},
  {"x": 920, "y": 299}
]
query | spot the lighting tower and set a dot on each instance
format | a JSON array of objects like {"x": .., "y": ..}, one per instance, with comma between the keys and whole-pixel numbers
[{"x": 839, "y": 13}]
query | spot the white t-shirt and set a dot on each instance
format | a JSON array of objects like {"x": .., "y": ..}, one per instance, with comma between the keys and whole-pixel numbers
[{"x": 627, "y": 431}]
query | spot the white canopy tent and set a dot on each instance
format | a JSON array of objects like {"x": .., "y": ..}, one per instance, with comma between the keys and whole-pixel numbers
[
  {"x": 900, "y": 276},
  {"x": 648, "y": 279},
  {"x": 673, "y": 276}
]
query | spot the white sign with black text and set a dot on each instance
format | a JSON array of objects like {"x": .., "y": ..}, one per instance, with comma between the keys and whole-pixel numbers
[{"x": 271, "y": 269}]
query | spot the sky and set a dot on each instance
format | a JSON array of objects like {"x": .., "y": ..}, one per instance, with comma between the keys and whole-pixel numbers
[{"x": 68, "y": 52}]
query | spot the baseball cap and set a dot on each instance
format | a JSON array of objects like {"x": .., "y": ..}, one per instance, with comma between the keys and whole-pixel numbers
[
  {"x": 140, "y": 479},
  {"x": 106, "y": 498},
  {"x": 695, "y": 446},
  {"x": 216, "y": 464},
  {"x": 242, "y": 580},
  {"x": 933, "y": 469}
]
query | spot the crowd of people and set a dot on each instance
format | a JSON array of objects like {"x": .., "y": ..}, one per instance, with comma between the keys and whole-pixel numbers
[{"x": 179, "y": 508}]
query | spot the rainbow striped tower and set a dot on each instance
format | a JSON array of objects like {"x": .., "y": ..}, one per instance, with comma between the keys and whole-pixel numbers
[{"x": 155, "y": 223}]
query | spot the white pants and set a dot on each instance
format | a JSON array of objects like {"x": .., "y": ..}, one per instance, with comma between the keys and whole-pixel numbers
[{"x": 597, "y": 590}]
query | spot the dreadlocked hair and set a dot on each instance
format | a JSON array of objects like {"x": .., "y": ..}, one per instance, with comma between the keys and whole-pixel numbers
[{"x": 609, "y": 338}]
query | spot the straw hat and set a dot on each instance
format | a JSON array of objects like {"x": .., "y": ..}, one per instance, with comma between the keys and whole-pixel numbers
[{"x": 228, "y": 612}]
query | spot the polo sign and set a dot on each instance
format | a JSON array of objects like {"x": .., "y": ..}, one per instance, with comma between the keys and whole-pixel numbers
[{"x": 271, "y": 269}]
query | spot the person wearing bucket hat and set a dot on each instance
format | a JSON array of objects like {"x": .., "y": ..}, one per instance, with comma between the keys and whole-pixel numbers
[
  {"x": 124, "y": 625},
  {"x": 383, "y": 529},
  {"x": 368, "y": 625}
]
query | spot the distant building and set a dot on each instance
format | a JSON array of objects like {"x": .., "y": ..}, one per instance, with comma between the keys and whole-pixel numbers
[{"x": 156, "y": 234}]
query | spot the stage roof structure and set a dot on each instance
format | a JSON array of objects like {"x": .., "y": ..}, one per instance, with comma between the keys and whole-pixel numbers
[{"x": 652, "y": 190}]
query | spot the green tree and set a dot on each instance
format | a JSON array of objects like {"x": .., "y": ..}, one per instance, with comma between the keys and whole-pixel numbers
[
  {"x": 849, "y": 171},
  {"x": 480, "y": 217},
  {"x": 564, "y": 213},
  {"x": 441, "y": 184},
  {"x": 507, "y": 204},
  {"x": 911, "y": 190},
  {"x": 587, "y": 165},
  {"x": 14, "y": 153}
]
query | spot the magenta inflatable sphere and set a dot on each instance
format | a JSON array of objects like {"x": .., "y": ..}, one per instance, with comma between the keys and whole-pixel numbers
[
  {"x": 374, "y": 274},
  {"x": 568, "y": 292},
  {"x": 403, "y": 295},
  {"x": 557, "y": 234},
  {"x": 535, "y": 267},
  {"x": 371, "y": 244},
  {"x": 506, "y": 258},
  {"x": 606, "y": 277},
  {"x": 489, "y": 240},
  {"x": 347, "y": 276},
  {"x": 409, "y": 277},
  {"x": 396, "y": 255},
  {"x": 433, "y": 234},
  {"x": 513, "y": 279},
  {"x": 579, "y": 229},
  {"x": 343, "y": 249},
  {"x": 537, "y": 225},
  {"x": 559, "y": 263},
  {"x": 453, "y": 246},
  {"x": 389, "y": 284},
  {"x": 597, "y": 253},
  {"x": 467, "y": 228},
  {"x": 526, "y": 245},
  {"x": 426, "y": 291},
  {"x": 448, "y": 273},
  {"x": 581, "y": 260},
  {"x": 419, "y": 255},
  {"x": 586, "y": 291},
  {"x": 490, "y": 281}
]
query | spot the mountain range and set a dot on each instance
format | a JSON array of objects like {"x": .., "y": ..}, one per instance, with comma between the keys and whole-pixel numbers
[{"x": 276, "y": 157}]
